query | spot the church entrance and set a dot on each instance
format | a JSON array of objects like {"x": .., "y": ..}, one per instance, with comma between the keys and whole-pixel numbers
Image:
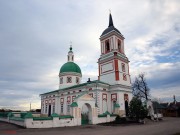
[
  {"x": 49, "y": 111},
  {"x": 86, "y": 114},
  {"x": 126, "y": 99},
  {"x": 126, "y": 108}
]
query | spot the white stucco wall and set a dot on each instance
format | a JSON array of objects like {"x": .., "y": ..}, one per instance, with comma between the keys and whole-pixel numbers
[{"x": 65, "y": 84}]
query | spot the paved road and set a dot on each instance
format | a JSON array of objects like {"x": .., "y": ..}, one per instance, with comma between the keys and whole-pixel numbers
[{"x": 168, "y": 126}]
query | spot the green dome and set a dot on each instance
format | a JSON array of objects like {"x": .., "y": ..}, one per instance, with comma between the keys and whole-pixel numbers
[{"x": 70, "y": 67}]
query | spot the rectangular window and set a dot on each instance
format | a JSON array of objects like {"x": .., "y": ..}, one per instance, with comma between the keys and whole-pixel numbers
[
  {"x": 62, "y": 100},
  {"x": 104, "y": 96},
  {"x": 46, "y": 101},
  {"x": 61, "y": 108},
  {"x": 68, "y": 99},
  {"x": 124, "y": 77},
  {"x": 53, "y": 101},
  {"x": 42, "y": 108},
  {"x": 126, "y": 97},
  {"x": 61, "y": 80},
  {"x": 69, "y": 79},
  {"x": 73, "y": 97},
  {"x": 68, "y": 108},
  {"x": 123, "y": 67},
  {"x": 114, "y": 97},
  {"x": 46, "y": 109}
]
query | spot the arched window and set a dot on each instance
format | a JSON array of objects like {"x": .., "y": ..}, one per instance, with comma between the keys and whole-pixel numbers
[
  {"x": 77, "y": 80},
  {"x": 61, "y": 80},
  {"x": 124, "y": 77},
  {"x": 123, "y": 67},
  {"x": 107, "y": 46},
  {"x": 119, "y": 45}
]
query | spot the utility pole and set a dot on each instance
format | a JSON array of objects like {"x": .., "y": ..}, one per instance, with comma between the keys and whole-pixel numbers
[{"x": 30, "y": 106}]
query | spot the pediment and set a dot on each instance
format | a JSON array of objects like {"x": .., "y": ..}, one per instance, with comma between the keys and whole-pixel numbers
[{"x": 86, "y": 97}]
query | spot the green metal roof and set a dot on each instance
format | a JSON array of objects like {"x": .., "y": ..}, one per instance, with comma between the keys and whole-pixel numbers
[
  {"x": 74, "y": 104},
  {"x": 107, "y": 113},
  {"x": 70, "y": 67},
  {"x": 28, "y": 115},
  {"x": 54, "y": 115},
  {"x": 117, "y": 105},
  {"x": 76, "y": 86}
]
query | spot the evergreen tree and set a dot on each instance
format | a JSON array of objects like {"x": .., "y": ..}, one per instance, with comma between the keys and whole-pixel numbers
[{"x": 136, "y": 109}]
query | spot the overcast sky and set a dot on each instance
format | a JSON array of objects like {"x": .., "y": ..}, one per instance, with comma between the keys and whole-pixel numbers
[{"x": 35, "y": 37}]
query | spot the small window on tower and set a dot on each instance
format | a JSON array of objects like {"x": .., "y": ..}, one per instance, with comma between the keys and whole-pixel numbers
[
  {"x": 77, "y": 80},
  {"x": 107, "y": 46},
  {"x": 123, "y": 67},
  {"x": 72, "y": 58},
  {"x": 61, "y": 80},
  {"x": 69, "y": 79},
  {"x": 124, "y": 77},
  {"x": 68, "y": 57}
]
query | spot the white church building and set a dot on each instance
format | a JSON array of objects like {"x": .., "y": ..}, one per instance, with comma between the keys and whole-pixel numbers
[{"x": 109, "y": 94}]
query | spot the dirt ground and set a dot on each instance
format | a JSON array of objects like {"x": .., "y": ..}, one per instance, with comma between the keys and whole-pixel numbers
[{"x": 168, "y": 126}]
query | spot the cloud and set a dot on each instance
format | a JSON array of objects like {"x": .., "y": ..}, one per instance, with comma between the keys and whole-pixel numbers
[{"x": 35, "y": 38}]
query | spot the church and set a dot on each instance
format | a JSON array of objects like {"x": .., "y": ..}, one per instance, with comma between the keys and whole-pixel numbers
[{"x": 109, "y": 94}]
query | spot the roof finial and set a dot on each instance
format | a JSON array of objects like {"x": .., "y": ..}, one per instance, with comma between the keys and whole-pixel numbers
[
  {"x": 70, "y": 46},
  {"x": 110, "y": 20},
  {"x": 109, "y": 11}
]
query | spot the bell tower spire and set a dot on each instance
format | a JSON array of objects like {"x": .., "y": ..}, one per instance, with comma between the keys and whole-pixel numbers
[
  {"x": 110, "y": 20},
  {"x": 113, "y": 63},
  {"x": 70, "y": 56}
]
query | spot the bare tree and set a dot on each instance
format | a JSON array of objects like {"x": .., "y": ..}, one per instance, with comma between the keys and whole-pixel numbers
[{"x": 140, "y": 88}]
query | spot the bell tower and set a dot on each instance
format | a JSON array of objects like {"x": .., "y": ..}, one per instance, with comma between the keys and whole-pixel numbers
[{"x": 113, "y": 63}]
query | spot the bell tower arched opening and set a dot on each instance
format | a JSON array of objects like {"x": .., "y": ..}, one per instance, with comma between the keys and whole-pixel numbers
[{"x": 107, "y": 46}]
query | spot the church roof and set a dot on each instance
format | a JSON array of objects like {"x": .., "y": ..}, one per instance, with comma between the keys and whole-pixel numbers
[
  {"x": 110, "y": 27},
  {"x": 76, "y": 86},
  {"x": 70, "y": 67}
]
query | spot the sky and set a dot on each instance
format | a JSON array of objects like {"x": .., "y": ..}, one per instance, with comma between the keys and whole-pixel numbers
[{"x": 35, "y": 37}]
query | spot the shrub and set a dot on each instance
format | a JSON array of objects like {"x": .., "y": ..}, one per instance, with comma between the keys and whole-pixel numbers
[{"x": 120, "y": 120}]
